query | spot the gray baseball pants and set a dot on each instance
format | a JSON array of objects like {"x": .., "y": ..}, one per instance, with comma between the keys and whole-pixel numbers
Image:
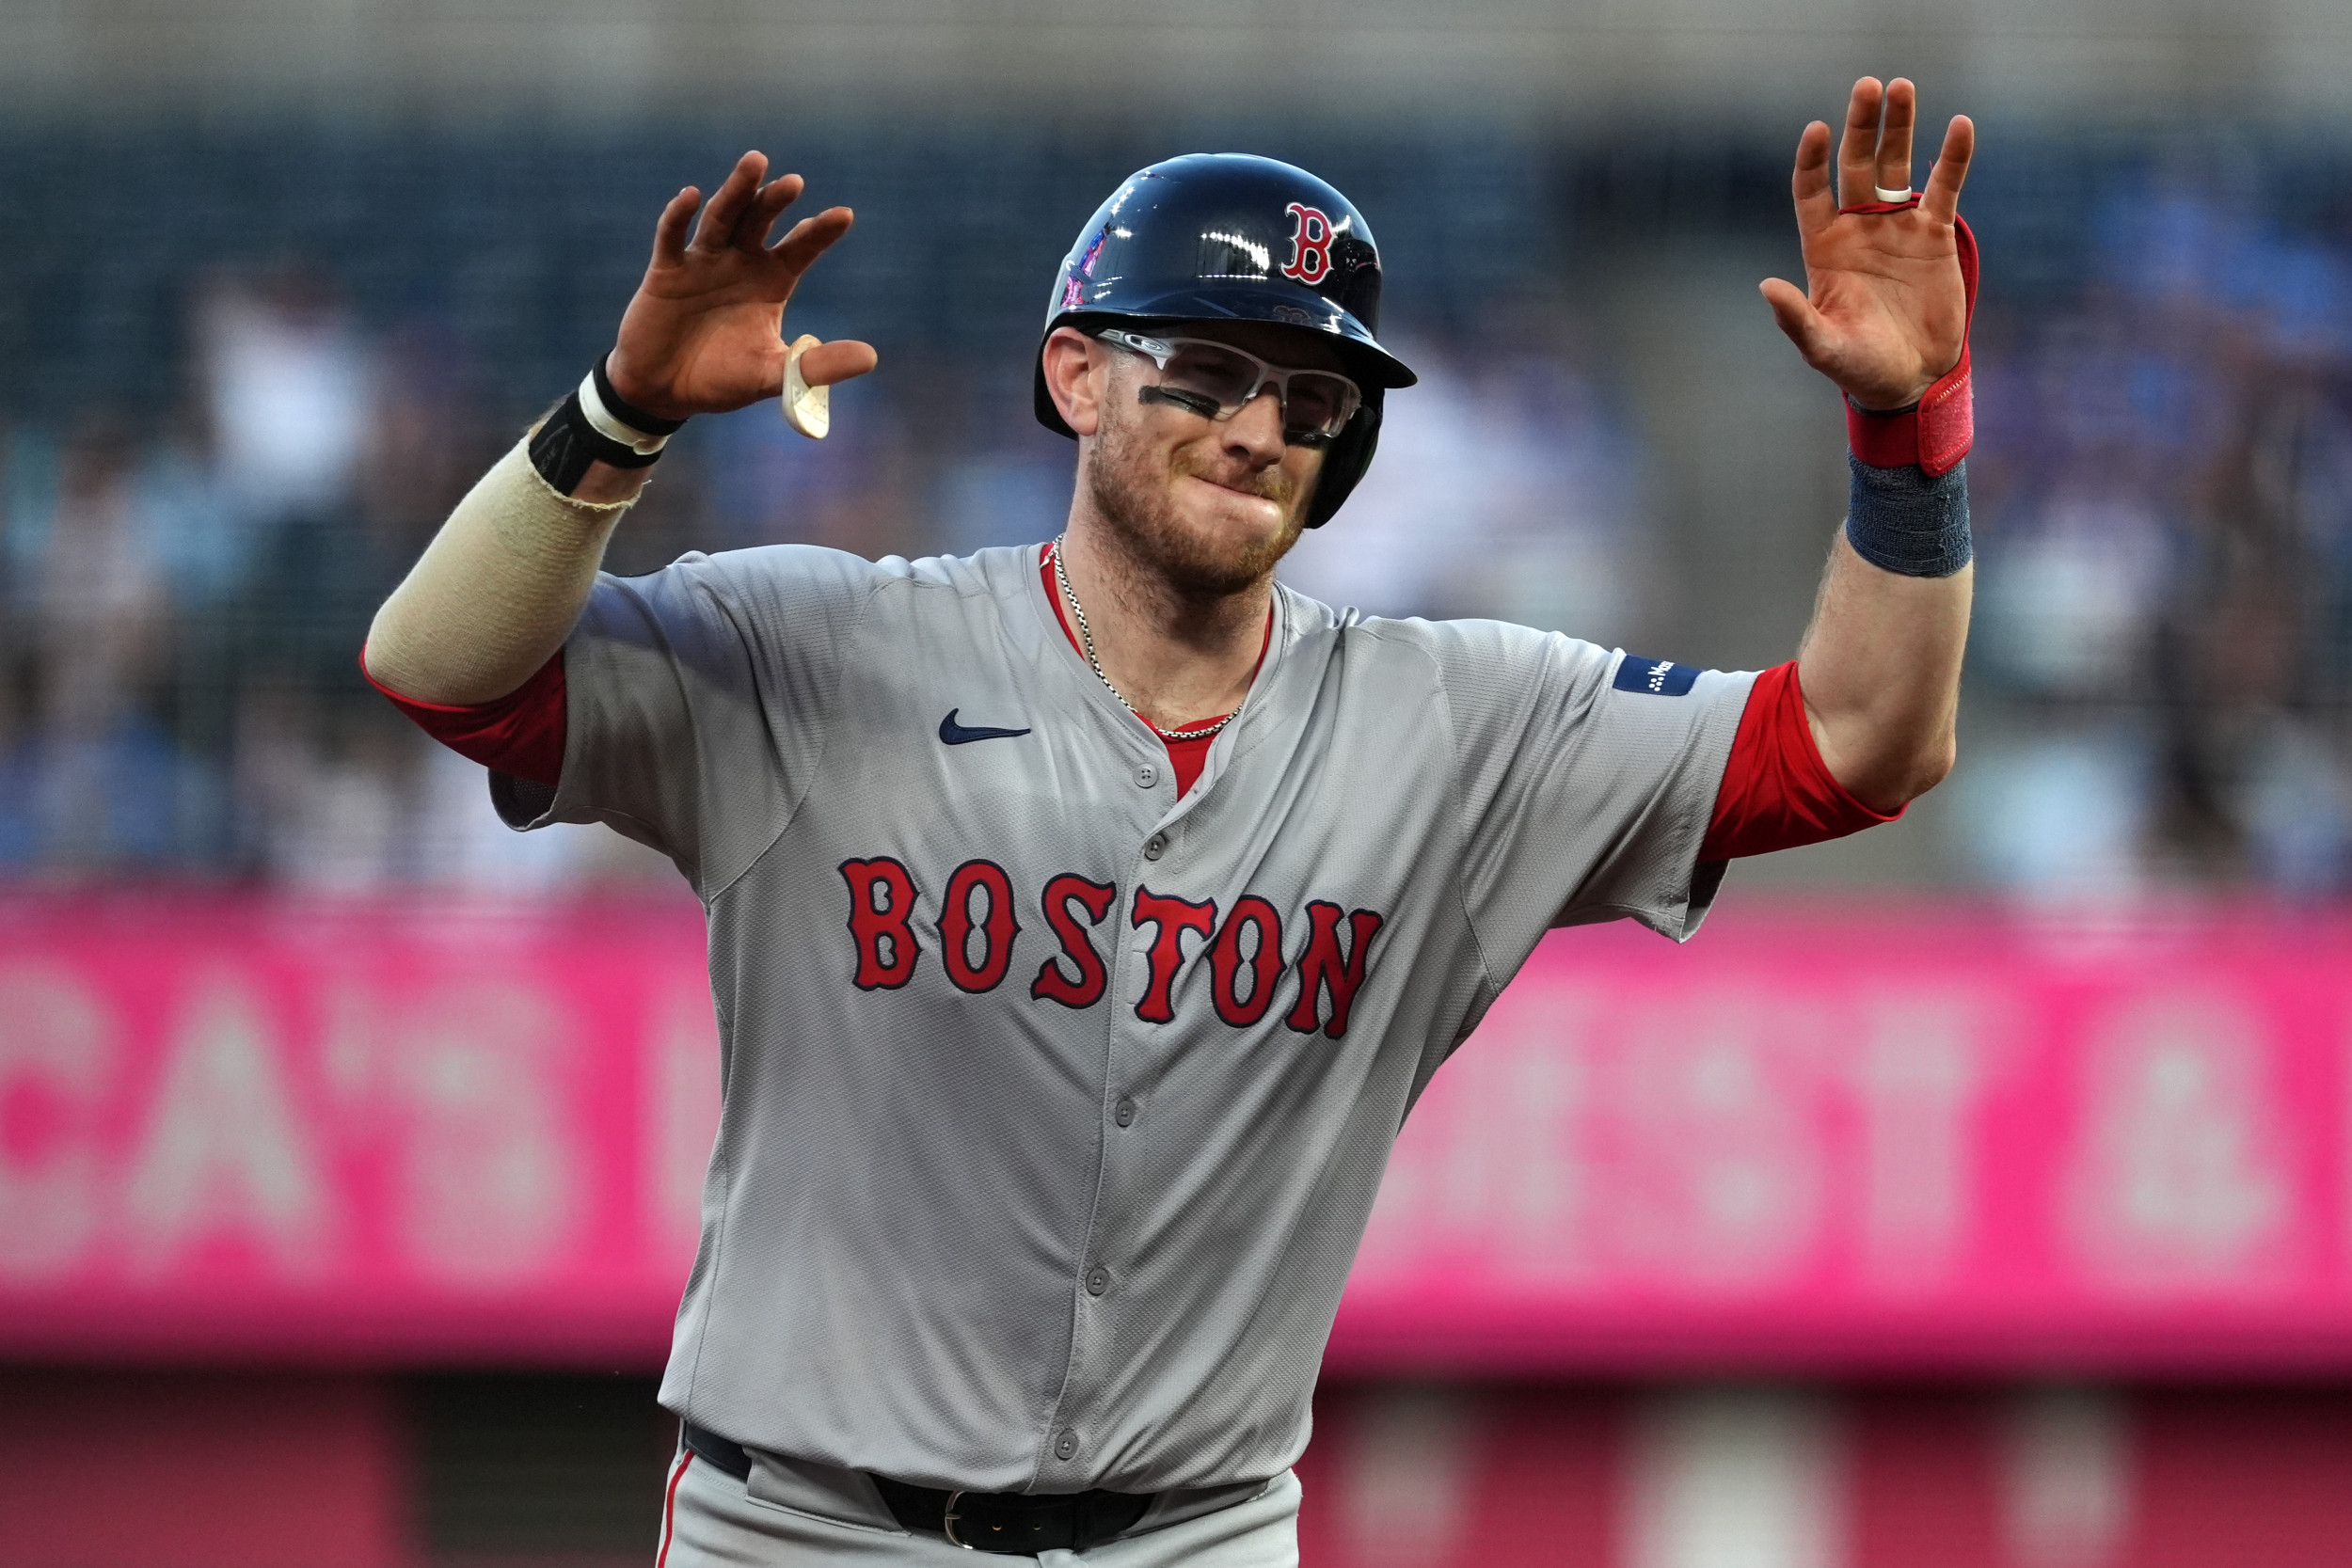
[{"x": 790, "y": 1514}]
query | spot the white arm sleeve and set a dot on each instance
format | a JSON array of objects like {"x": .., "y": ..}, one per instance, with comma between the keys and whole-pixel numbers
[{"x": 496, "y": 592}]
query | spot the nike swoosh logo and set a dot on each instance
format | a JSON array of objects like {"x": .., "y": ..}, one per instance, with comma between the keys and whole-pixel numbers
[{"x": 958, "y": 735}]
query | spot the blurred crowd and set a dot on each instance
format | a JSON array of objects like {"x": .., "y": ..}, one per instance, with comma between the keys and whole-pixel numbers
[
  {"x": 2160, "y": 686},
  {"x": 2161, "y": 669},
  {"x": 186, "y": 601}
]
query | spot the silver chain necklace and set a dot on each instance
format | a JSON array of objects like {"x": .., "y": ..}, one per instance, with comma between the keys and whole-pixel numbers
[{"x": 1061, "y": 576}]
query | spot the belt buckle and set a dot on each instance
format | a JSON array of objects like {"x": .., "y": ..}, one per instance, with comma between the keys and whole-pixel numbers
[{"x": 948, "y": 1523}]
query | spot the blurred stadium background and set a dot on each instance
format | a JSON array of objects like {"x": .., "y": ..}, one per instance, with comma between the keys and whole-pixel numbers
[{"x": 329, "y": 1236}]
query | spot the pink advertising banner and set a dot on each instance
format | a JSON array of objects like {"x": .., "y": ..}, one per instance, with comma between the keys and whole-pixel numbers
[{"x": 1908, "y": 1139}]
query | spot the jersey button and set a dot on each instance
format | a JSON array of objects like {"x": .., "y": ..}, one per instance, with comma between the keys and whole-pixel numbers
[
  {"x": 1154, "y": 847},
  {"x": 1124, "y": 1112},
  {"x": 1098, "y": 1281},
  {"x": 1066, "y": 1446},
  {"x": 1146, "y": 775}
]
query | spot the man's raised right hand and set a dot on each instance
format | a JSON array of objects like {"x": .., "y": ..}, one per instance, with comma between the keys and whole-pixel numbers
[{"x": 704, "y": 333}]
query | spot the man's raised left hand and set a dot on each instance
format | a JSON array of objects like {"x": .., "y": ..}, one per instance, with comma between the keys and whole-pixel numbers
[{"x": 1883, "y": 312}]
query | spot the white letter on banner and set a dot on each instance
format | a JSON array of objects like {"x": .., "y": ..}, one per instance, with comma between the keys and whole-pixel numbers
[
  {"x": 1400, "y": 1231},
  {"x": 2177, "y": 1180},
  {"x": 1919, "y": 1081},
  {"x": 489, "y": 1180},
  {"x": 225, "y": 1150},
  {"x": 681, "y": 1112},
  {"x": 1489, "y": 1166},
  {"x": 1718, "y": 1180},
  {"x": 57, "y": 1054},
  {"x": 1514, "y": 1170}
]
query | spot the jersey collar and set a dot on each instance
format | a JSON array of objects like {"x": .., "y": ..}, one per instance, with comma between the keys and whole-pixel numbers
[{"x": 1069, "y": 634}]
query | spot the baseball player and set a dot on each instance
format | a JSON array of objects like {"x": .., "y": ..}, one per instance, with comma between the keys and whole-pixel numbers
[{"x": 1086, "y": 917}]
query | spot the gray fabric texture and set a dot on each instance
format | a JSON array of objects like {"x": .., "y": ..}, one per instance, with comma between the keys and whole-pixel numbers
[
  {"x": 1900, "y": 520},
  {"x": 1001, "y": 1234}
]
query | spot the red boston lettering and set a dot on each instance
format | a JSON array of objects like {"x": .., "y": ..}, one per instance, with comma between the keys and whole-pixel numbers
[
  {"x": 978, "y": 929},
  {"x": 1096, "y": 899},
  {"x": 1226, "y": 962},
  {"x": 1173, "y": 917},
  {"x": 1322, "y": 967},
  {"x": 881, "y": 900},
  {"x": 997, "y": 928}
]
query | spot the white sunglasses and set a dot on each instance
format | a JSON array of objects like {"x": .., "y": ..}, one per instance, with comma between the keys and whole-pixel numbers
[{"x": 1217, "y": 381}]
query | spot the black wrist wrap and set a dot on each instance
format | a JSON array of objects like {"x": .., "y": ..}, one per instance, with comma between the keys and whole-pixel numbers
[
  {"x": 628, "y": 413},
  {"x": 1900, "y": 520},
  {"x": 565, "y": 443}
]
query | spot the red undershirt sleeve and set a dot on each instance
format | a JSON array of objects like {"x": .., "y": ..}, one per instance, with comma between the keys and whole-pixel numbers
[
  {"x": 1777, "y": 793},
  {"x": 521, "y": 733}
]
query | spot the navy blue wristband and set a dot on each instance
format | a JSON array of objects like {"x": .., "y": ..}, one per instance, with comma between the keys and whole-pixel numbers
[{"x": 1900, "y": 520}]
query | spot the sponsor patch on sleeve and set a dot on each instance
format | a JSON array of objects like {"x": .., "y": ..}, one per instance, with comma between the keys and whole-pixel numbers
[{"x": 1658, "y": 677}]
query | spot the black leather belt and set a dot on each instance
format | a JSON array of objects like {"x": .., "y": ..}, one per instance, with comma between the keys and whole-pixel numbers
[{"x": 1013, "y": 1523}]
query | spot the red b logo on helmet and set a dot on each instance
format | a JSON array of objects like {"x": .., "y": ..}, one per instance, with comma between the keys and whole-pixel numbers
[{"x": 1310, "y": 245}]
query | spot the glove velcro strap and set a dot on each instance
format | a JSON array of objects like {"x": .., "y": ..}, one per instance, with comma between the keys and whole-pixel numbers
[{"x": 1936, "y": 431}]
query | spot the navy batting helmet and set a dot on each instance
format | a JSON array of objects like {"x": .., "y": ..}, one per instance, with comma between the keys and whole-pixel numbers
[{"x": 1225, "y": 236}]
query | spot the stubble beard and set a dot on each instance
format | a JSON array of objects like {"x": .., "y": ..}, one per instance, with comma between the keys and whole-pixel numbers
[{"x": 1140, "y": 518}]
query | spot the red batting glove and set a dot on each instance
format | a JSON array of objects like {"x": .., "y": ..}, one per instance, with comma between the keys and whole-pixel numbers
[{"x": 1936, "y": 431}]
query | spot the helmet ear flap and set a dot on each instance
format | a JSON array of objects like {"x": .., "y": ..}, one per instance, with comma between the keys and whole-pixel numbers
[{"x": 1346, "y": 458}]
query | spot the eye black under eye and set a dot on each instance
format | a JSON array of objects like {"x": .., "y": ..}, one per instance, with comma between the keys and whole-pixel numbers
[{"x": 1198, "y": 402}]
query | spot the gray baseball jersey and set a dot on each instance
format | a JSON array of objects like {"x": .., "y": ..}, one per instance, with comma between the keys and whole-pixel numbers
[{"x": 1054, "y": 1105}]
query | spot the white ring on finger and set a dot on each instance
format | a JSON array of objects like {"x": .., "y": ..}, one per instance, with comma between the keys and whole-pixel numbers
[{"x": 1885, "y": 194}]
